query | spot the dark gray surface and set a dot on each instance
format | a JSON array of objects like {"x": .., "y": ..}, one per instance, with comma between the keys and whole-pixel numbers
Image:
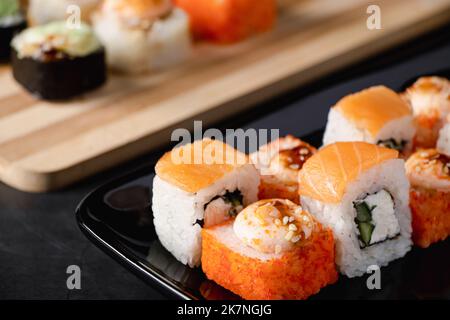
[{"x": 39, "y": 237}]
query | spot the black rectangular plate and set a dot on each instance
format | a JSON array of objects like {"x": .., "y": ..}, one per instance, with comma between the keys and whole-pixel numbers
[{"x": 117, "y": 216}]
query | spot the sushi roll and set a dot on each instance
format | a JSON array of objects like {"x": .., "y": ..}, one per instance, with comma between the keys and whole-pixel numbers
[
  {"x": 142, "y": 35},
  {"x": 207, "y": 192},
  {"x": 55, "y": 62},
  {"x": 361, "y": 192},
  {"x": 229, "y": 21},
  {"x": 376, "y": 115},
  {"x": 273, "y": 250},
  {"x": 46, "y": 11},
  {"x": 429, "y": 98},
  {"x": 11, "y": 22},
  {"x": 443, "y": 144},
  {"x": 279, "y": 163},
  {"x": 429, "y": 174}
]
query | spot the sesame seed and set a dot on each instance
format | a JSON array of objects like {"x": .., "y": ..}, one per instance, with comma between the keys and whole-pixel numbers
[
  {"x": 292, "y": 227},
  {"x": 423, "y": 154},
  {"x": 289, "y": 236},
  {"x": 285, "y": 220},
  {"x": 295, "y": 239},
  {"x": 277, "y": 249},
  {"x": 304, "y": 151},
  {"x": 291, "y": 219},
  {"x": 294, "y": 166},
  {"x": 278, "y": 222}
]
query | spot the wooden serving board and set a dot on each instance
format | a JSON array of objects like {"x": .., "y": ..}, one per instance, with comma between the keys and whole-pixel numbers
[{"x": 45, "y": 146}]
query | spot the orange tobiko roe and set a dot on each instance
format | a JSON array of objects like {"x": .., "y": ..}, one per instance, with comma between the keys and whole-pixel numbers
[
  {"x": 228, "y": 21},
  {"x": 430, "y": 216},
  {"x": 296, "y": 274}
]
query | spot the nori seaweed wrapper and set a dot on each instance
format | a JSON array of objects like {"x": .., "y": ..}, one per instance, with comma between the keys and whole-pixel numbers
[
  {"x": 6, "y": 35},
  {"x": 60, "y": 79}
]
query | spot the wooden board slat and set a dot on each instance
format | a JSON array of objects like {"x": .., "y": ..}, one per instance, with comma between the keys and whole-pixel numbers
[{"x": 45, "y": 146}]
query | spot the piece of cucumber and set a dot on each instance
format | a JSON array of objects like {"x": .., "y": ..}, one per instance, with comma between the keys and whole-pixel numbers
[
  {"x": 363, "y": 212},
  {"x": 365, "y": 232}
]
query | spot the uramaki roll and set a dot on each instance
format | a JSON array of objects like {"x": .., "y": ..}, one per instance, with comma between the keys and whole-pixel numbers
[
  {"x": 199, "y": 185},
  {"x": 229, "y": 21},
  {"x": 279, "y": 163},
  {"x": 273, "y": 250},
  {"x": 429, "y": 98},
  {"x": 429, "y": 174},
  {"x": 359, "y": 190},
  {"x": 376, "y": 115}
]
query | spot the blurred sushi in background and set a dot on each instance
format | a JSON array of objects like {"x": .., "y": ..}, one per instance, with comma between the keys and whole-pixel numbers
[
  {"x": 272, "y": 250},
  {"x": 279, "y": 163},
  {"x": 45, "y": 11},
  {"x": 142, "y": 35},
  {"x": 376, "y": 115},
  {"x": 191, "y": 194},
  {"x": 228, "y": 21},
  {"x": 430, "y": 102},
  {"x": 11, "y": 22},
  {"x": 429, "y": 174},
  {"x": 55, "y": 62},
  {"x": 361, "y": 192}
]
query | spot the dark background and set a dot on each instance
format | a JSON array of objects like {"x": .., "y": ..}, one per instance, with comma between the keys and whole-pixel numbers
[{"x": 39, "y": 237}]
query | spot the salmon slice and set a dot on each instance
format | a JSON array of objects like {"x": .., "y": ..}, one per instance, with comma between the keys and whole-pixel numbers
[
  {"x": 372, "y": 108},
  {"x": 326, "y": 174},
  {"x": 195, "y": 166}
]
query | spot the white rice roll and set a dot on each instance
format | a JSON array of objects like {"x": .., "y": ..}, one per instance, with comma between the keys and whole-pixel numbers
[
  {"x": 136, "y": 41},
  {"x": 376, "y": 115},
  {"x": 361, "y": 192},
  {"x": 188, "y": 195},
  {"x": 45, "y": 11}
]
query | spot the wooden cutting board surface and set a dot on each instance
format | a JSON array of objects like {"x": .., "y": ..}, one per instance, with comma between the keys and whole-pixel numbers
[{"x": 45, "y": 146}]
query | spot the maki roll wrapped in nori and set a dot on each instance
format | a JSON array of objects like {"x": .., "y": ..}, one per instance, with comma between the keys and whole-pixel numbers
[
  {"x": 56, "y": 62},
  {"x": 11, "y": 22}
]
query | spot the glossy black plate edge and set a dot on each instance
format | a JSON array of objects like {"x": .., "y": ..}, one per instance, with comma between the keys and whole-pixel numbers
[{"x": 118, "y": 252}]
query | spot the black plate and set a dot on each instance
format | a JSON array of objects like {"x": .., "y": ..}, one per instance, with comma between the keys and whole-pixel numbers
[{"x": 117, "y": 217}]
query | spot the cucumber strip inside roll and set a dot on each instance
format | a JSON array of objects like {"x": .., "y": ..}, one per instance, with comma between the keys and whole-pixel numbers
[{"x": 375, "y": 218}]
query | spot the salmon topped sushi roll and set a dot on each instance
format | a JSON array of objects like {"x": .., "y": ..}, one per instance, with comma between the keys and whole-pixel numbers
[
  {"x": 273, "y": 250},
  {"x": 142, "y": 35},
  {"x": 376, "y": 115},
  {"x": 228, "y": 21},
  {"x": 279, "y": 163},
  {"x": 199, "y": 185},
  {"x": 361, "y": 192},
  {"x": 429, "y": 174},
  {"x": 429, "y": 98}
]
